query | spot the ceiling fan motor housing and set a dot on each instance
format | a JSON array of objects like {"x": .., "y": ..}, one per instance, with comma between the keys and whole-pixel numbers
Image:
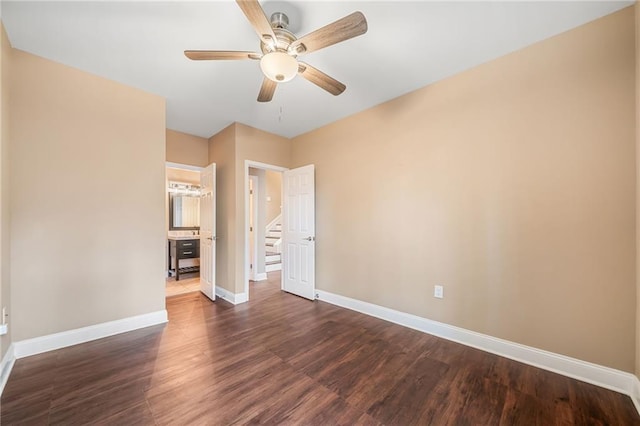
[{"x": 283, "y": 39}]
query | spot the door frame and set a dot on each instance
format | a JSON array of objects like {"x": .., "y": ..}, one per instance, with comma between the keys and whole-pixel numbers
[
  {"x": 263, "y": 166},
  {"x": 253, "y": 248},
  {"x": 183, "y": 166}
]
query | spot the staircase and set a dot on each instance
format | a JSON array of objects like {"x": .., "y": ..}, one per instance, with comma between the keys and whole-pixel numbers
[{"x": 273, "y": 241}]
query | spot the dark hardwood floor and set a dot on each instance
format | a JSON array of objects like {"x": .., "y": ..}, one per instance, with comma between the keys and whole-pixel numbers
[{"x": 280, "y": 359}]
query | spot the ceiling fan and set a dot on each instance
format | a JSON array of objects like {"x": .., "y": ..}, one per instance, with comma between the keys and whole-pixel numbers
[{"x": 280, "y": 48}]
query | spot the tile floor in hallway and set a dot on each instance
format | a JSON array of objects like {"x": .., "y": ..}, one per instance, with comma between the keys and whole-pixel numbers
[{"x": 187, "y": 284}]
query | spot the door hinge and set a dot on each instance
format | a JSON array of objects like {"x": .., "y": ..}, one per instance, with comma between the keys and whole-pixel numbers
[
  {"x": 251, "y": 266},
  {"x": 251, "y": 229},
  {"x": 251, "y": 191}
]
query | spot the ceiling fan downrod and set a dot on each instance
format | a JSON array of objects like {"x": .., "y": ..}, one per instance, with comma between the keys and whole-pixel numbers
[{"x": 279, "y": 20}]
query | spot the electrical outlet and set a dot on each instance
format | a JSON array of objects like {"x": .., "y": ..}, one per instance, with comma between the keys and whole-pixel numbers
[{"x": 438, "y": 291}]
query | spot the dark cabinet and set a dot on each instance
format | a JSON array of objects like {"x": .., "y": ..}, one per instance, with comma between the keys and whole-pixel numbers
[{"x": 183, "y": 249}]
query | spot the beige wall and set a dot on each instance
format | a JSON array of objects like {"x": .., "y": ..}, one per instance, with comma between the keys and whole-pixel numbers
[
  {"x": 5, "y": 285},
  {"x": 222, "y": 152},
  {"x": 184, "y": 176},
  {"x": 183, "y": 148},
  {"x": 512, "y": 184},
  {"x": 637, "y": 56},
  {"x": 274, "y": 191},
  {"x": 229, "y": 149},
  {"x": 87, "y": 206}
]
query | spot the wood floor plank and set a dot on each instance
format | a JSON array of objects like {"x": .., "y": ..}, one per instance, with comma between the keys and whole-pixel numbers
[
  {"x": 467, "y": 399},
  {"x": 521, "y": 408},
  {"x": 26, "y": 407},
  {"x": 99, "y": 405},
  {"x": 406, "y": 403},
  {"x": 137, "y": 415},
  {"x": 284, "y": 360}
]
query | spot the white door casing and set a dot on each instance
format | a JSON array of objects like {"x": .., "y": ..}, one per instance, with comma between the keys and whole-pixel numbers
[
  {"x": 253, "y": 222},
  {"x": 298, "y": 236},
  {"x": 208, "y": 231}
]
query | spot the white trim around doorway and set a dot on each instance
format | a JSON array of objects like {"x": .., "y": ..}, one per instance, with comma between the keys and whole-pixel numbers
[
  {"x": 183, "y": 166},
  {"x": 253, "y": 248}
]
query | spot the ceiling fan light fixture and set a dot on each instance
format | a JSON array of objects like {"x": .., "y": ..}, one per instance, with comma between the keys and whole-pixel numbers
[
  {"x": 280, "y": 48},
  {"x": 279, "y": 66}
]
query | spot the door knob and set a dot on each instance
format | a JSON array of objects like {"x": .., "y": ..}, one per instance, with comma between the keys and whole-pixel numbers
[{"x": 310, "y": 239}]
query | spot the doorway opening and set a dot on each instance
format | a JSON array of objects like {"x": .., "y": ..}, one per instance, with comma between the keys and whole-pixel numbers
[
  {"x": 182, "y": 212},
  {"x": 263, "y": 222}
]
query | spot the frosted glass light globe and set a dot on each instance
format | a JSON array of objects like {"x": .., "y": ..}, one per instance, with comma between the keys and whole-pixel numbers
[{"x": 279, "y": 66}]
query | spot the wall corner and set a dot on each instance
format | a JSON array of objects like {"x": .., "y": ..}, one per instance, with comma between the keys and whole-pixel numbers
[{"x": 637, "y": 146}]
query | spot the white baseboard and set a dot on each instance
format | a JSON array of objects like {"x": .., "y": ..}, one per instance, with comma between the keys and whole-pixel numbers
[
  {"x": 55, "y": 341},
  {"x": 635, "y": 393},
  {"x": 6, "y": 366},
  {"x": 225, "y": 294},
  {"x": 234, "y": 298},
  {"x": 260, "y": 277},
  {"x": 241, "y": 298},
  {"x": 619, "y": 381}
]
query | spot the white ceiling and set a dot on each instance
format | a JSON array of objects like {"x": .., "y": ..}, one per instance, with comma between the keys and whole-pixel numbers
[{"x": 409, "y": 44}]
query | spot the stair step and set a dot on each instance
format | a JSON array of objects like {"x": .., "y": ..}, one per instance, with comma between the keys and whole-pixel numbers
[
  {"x": 275, "y": 262},
  {"x": 272, "y": 253},
  {"x": 271, "y": 268}
]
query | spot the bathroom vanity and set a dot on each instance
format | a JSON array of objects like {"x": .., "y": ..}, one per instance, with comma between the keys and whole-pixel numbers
[{"x": 183, "y": 248}]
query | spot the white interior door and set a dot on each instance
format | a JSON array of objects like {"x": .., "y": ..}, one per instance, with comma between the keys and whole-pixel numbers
[
  {"x": 208, "y": 231},
  {"x": 299, "y": 232}
]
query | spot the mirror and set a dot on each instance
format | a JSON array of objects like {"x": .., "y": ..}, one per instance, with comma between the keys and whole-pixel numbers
[{"x": 184, "y": 211}]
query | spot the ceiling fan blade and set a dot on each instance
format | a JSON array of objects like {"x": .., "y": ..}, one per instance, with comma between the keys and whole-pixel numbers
[
  {"x": 267, "y": 90},
  {"x": 321, "y": 79},
  {"x": 343, "y": 29},
  {"x": 203, "y": 55},
  {"x": 255, "y": 14}
]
